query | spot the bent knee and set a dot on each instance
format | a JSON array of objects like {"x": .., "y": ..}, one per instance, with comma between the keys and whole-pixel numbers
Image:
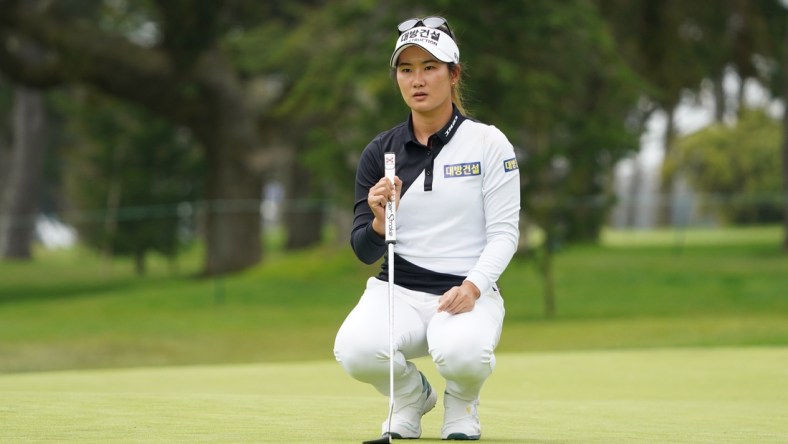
[
  {"x": 463, "y": 363},
  {"x": 362, "y": 361}
]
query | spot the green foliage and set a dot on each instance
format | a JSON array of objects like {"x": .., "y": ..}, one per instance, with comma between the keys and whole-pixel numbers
[
  {"x": 134, "y": 169},
  {"x": 546, "y": 73},
  {"x": 741, "y": 160},
  {"x": 330, "y": 61},
  {"x": 564, "y": 80},
  {"x": 776, "y": 69},
  {"x": 663, "y": 42}
]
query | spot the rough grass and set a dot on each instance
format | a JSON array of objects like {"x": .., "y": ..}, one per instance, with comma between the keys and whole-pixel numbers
[{"x": 69, "y": 309}]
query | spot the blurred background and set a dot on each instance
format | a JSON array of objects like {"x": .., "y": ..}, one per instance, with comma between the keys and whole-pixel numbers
[{"x": 176, "y": 177}]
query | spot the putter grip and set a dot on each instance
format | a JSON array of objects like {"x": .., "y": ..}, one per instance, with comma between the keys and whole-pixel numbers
[{"x": 391, "y": 206}]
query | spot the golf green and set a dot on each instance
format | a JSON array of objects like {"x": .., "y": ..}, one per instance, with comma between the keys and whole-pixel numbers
[{"x": 708, "y": 395}]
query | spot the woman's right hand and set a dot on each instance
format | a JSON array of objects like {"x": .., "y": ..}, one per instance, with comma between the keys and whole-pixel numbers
[{"x": 379, "y": 194}]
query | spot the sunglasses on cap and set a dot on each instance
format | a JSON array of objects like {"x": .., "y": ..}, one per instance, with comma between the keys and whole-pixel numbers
[{"x": 429, "y": 22}]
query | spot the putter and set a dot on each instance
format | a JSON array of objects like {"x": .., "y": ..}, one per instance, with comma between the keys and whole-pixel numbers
[{"x": 391, "y": 239}]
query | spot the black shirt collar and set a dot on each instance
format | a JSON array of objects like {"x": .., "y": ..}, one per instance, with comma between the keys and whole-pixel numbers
[{"x": 444, "y": 134}]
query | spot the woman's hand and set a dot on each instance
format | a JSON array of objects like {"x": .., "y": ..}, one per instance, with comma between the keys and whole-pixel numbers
[
  {"x": 379, "y": 194},
  {"x": 459, "y": 299}
]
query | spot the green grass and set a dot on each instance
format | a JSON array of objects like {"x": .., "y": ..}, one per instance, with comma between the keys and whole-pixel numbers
[
  {"x": 720, "y": 395},
  {"x": 693, "y": 236},
  {"x": 69, "y": 309},
  {"x": 660, "y": 337}
]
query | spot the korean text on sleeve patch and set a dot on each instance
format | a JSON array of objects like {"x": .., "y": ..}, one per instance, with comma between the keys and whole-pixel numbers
[{"x": 510, "y": 165}]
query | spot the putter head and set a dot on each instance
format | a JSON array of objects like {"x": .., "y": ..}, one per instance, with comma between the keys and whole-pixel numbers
[{"x": 385, "y": 439}]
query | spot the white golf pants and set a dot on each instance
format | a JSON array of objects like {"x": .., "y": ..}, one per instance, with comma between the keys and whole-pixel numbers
[{"x": 461, "y": 346}]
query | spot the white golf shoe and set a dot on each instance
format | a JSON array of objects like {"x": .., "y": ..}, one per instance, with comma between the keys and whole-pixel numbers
[
  {"x": 460, "y": 419},
  {"x": 406, "y": 420}
]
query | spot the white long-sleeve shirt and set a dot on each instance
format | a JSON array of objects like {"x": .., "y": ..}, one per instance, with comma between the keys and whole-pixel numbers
[{"x": 459, "y": 208}]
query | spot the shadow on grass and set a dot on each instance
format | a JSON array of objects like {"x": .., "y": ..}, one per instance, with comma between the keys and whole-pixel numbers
[
  {"x": 504, "y": 440},
  {"x": 49, "y": 291}
]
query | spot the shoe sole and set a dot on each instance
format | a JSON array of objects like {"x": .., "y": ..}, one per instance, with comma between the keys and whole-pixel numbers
[{"x": 461, "y": 437}]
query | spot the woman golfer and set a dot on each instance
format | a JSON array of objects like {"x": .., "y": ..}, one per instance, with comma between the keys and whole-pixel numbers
[{"x": 458, "y": 193}]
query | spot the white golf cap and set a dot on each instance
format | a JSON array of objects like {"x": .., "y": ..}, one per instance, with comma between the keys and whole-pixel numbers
[{"x": 434, "y": 41}]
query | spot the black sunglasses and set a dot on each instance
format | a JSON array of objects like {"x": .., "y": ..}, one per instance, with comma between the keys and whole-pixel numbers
[{"x": 429, "y": 22}]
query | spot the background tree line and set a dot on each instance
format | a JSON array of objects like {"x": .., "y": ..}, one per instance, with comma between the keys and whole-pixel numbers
[{"x": 138, "y": 106}]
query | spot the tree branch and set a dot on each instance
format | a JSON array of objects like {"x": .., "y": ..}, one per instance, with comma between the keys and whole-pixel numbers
[
  {"x": 190, "y": 28},
  {"x": 37, "y": 72},
  {"x": 78, "y": 52}
]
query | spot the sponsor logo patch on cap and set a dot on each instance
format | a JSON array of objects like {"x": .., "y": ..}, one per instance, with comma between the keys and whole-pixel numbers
[{"x": 434, "y": 41}]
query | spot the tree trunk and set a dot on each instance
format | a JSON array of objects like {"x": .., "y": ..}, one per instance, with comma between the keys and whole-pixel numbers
[
  {"x": 666, "y": 184},
  {"x": 785, "y": 140},
  {"x": 740, "y": 103},
  {"x": 114, "y": 193},
  {"x": 234, "y": 191},
  {"x": 548, "y": 277},
  {"x": 583, "y": 215},
  {"x": 632, "y": 209},
  {"x": 232, "y": 218},
  {"x": 20, "y": 200},
  {"x": 304, "y": 214},
  {"x": 720, "y": 103},
  {"x": 139, "y": 262},
  {"x": 5, "y": 160}
]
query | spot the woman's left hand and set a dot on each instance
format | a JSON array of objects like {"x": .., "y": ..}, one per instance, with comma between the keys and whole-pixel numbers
[{"x": 460, "y": 299}]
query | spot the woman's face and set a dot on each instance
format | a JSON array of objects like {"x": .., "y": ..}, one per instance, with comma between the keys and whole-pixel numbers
[{"x": 424, "y": 82}]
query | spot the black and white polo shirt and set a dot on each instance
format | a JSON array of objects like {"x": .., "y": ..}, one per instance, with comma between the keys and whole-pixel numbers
[{"x": 459, "y": 208}]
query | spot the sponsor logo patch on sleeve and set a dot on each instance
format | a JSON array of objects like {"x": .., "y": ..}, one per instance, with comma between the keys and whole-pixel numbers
[
  {"x": 462, "y": 169},
  {"x": 510, "y": 165}
]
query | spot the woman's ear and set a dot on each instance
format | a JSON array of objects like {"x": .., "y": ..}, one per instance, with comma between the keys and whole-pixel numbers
[{"x": 454, "y": 73}]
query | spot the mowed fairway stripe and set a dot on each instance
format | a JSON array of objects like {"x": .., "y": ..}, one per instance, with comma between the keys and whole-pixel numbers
[{"x": 725, "y": 395}]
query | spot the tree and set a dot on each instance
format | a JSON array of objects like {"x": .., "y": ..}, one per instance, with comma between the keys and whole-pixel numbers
[
  {"x": 736, "y": 164},
  {"x": 178, "y": 71},
  {"x": 20, "y": 198},
  {"x": 544, "y": 72},
  {"x": 5, "y": 138},
  {"x": 785, "y": 136},
  {"x": 552, "y": 80},
  {"x": 772, "y": 58},
  {"x": 776, "y": 77},
  {"x": 677, "y": 45},
  {"x": 148, "y": 170},
  {"x": 332, "y": 104},
  {"x": 661, "y": 41}
]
